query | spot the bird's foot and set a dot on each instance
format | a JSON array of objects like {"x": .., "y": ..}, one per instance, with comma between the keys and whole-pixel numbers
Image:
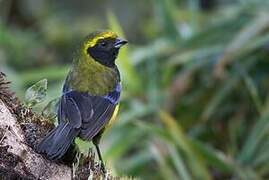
[{"x": 103, "y": 168}]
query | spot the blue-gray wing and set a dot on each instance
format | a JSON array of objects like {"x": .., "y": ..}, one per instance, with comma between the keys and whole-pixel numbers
[{"x": 88, "y": 113}]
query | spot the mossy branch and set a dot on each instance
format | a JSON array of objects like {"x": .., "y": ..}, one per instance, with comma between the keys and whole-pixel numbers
[{"x": 20, "y": 132}]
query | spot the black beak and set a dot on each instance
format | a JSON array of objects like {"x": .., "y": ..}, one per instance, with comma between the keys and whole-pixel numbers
[{"x": 119, "y": 42}]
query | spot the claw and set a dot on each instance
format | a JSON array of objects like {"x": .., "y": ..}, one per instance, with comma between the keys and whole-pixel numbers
[{"x": 103, "y": 169}]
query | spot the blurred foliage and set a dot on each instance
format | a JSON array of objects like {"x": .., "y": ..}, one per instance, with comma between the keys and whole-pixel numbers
[{"x": 195, "y": 103}]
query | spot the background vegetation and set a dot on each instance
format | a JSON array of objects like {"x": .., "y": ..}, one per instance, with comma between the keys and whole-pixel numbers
[{"x": 195, "y": 102}]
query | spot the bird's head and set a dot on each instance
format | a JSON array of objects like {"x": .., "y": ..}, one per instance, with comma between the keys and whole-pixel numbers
[{"x": 102, "y": 47}]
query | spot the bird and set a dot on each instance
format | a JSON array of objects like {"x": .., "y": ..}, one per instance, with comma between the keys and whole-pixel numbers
[{"x": 90, "y": 96}]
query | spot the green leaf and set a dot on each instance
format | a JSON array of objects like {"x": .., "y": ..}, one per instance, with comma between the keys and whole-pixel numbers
[
  {"x": 252, "y": 88},
  {"x": 213, "y": 157},
  {"x": 182, "y": 141},
  {"x": 254, "y": 140},
  {"x": 50, "y": 110},
  {"x": 179, "y": 163},
  {"x": 36, "y": 93},
  {"x": 160, "y": 157}
]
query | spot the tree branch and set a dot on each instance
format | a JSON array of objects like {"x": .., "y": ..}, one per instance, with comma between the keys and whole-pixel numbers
[
  {"x": 28, "y": 162},
  {"x": 20, "y": 132}
]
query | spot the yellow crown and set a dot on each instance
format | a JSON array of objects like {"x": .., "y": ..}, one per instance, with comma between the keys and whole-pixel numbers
[{"x": 101, "y": 35}]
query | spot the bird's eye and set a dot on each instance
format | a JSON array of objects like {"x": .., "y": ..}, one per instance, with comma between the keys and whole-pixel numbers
[{"x": 103, "y": 44}]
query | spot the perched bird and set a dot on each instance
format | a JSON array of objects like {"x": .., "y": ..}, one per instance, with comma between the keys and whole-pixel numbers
[{"x": 90, "y": 95}]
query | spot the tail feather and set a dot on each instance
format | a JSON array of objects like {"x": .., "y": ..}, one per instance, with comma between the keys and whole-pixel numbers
[{"x": 57, "y": 142}]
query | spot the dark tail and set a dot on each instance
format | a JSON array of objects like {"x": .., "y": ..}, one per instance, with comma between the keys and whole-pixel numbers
[{"x": 57, "y": 142}]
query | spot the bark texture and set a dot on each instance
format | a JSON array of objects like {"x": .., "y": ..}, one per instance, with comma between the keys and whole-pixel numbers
[
  {"x": 16, "y": 156},
  {"x": 20, "y": 132}
]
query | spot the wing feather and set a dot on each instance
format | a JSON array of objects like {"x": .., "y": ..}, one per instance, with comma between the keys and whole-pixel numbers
[{"x": 88, "y": 113}]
